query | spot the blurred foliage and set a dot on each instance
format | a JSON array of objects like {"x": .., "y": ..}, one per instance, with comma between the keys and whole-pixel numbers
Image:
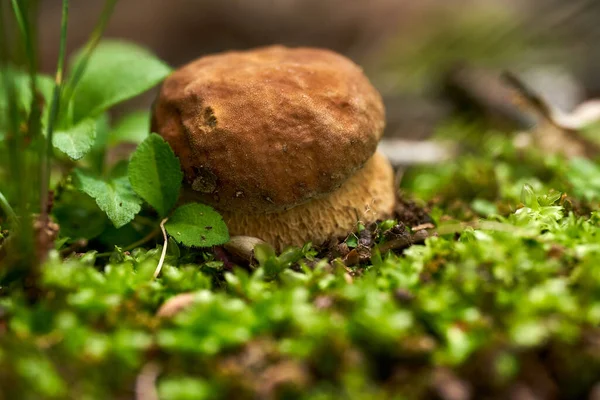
[
  {"x": 508, "y": 286},
  {"x": 486, "y": 36}
]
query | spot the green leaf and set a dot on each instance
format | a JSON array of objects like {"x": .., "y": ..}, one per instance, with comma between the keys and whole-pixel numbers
[
  {"x": 184, "y": 388},
  {"x": 155, "y": 173},
  {"x": 124, "y": 235},
  {"x": 528, "y": 197},
  {"x": 76, "y": 141},
  {"x": 273, "y": 264},
  {"x": 584, "y": 175},
  {"x": 133, "y": 128},
  {"x": 78, "y": 215},
  {"x": 41, "y": 375},
  {"x": 116, "y": 71},
  {"x": 263, "y": 252},
  {"x": 95, "y": 158},
  {"x": 197, "y": 225},
  {"x": 113, "y": 195}
]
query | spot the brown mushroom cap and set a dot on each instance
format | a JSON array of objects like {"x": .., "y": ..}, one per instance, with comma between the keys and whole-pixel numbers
[
  {"x": 367, "y": 196},
  {"x": 268, "y": 129}
]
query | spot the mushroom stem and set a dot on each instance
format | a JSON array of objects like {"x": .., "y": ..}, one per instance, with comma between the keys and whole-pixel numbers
[{"x": 366, "y": 196}]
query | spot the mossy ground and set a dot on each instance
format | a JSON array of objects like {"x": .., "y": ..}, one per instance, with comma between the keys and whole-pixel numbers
[{"x": 502, "y": 298}]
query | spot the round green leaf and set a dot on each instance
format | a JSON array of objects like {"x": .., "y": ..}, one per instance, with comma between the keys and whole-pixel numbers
[
  {"x": 76, "y": 141},
  {"x": 155, "y": 173},
  {"x": 113, "y": 195},
  {"x": 197, "y": 225}
]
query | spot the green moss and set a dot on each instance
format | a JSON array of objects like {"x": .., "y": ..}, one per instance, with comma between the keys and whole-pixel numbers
[{"x": 512, "y": 288}]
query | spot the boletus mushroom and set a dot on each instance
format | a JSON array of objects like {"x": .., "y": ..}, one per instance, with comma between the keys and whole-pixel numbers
[{"x": 282, "y": 141}]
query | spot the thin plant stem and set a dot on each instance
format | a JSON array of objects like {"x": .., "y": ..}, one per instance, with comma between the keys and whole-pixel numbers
[
  {"x": 22, "y": 261},
  {"x": 32, "y": 135},
  {"x": 164, "y": 249},
  {"x": 27, "y": 31},
  {"x": 19, "y": 16},
  {"x": 12, "y": 138},
  {"x": 89, "y": 49},
  {"x": 143, "y": 240},
  {"x": 145, "y": 220},
  {"x": 54, "y": 110},
  {"x": 5, "y": 205}
]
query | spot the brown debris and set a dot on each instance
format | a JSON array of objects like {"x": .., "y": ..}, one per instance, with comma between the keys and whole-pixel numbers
[
  {"x": 243, "y": 246},
  {"x": 259, "y": 368},
  {"x": 145, "y": 384},
  {"x": 404, "y": 296},
  {"x": 352, "y": 258},
  {"x": 46, "y": 233},
  {"x": 176, "y": 304},
  {"x": 484, "y": 93},
  {"x": 323, "y": 302},
  {"x": 278, "y": 377},
  {"x": 447, "y": 386},
  {"x": 409, "y": 213},
  {"x": 558, "y": 132},
  {"x": 420, "y": 227},
  {"x": 403, "y": 242}
]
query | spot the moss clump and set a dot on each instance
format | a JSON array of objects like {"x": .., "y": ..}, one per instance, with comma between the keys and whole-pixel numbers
[{"x": 504, "y": 298}]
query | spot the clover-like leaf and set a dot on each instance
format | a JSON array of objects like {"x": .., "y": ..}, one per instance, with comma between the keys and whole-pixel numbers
[
  {"x": 77, "y": 140},
  {"x": 116, "y": 71},
  {"x": 155, "y": 173},
  {"x": 197, "y": 225},
  {"x": 113, "y": 195}
]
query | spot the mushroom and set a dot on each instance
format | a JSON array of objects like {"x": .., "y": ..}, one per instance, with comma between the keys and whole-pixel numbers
[{"x": 281, "y": 141}]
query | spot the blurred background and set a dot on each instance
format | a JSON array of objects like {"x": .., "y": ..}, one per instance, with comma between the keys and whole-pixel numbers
[{"x": 429, "y": 58}]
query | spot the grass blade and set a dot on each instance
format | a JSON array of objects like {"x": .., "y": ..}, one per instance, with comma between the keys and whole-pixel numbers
[
  {"x": 5, "y": 206},
  {"x": 19, "y": 16},
  {"x": 12, "y": 138},
  {"x": 22, "y": 11},
  {"x": 54, "y": 110},
  {"x": 19, "y": 261},
  {"x": 89, "y": 49}
]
